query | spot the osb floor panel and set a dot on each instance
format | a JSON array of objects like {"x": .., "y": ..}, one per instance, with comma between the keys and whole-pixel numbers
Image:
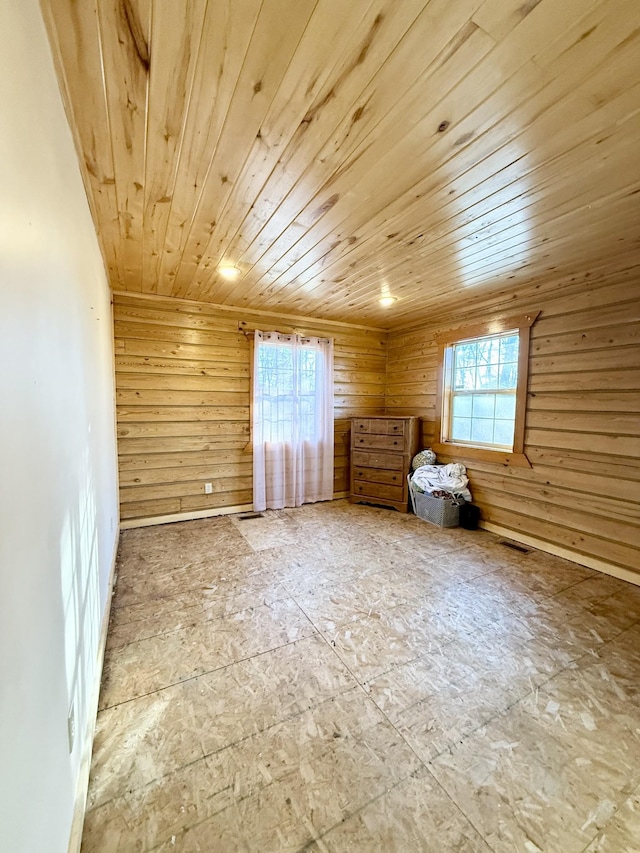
[{"x": 346, "y": 678}]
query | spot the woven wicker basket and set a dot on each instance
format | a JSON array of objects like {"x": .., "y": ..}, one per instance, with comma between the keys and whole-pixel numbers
[{"x": 435, "y": 510}]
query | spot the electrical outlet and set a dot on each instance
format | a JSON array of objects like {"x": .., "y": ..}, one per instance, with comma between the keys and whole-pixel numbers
[
  {"x": 208, "y": 488},
  {"x": 71, "y": 727}
]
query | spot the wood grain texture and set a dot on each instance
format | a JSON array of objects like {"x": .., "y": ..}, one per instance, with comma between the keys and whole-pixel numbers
[
  {"x": 182, "y": 388},
  {"x": 474, "y": 159},
  {"x": 583, "y": 414},
  {"x": 336, "y": 151}
]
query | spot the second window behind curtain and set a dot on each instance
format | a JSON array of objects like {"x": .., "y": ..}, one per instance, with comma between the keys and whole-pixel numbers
[{"x": 292, "y": 420}]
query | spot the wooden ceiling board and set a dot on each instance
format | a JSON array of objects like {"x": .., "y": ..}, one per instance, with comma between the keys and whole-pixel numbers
[
  {"x": 76, "y": 47},
  {"x": 341, "y": 195},
  {"x": 330, "y": 112},
  {"x": 264, "y": 68},
  {"x": 390, "y": 147},
  {"x": 511, "y": 191},
  {"x": 223, "y": 48},
  {"x": 124, "y": 32},
  {"x": 478, "y": 229},
  {"x": 441, "y": 152},
  {"x": 258, "y": 82},
  {"x": 173, "y": 50},
  {"x": 390, "y": 171}
]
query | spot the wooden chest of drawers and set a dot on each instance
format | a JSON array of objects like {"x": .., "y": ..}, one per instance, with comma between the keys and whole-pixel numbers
[{"x": 381, "y": 452}]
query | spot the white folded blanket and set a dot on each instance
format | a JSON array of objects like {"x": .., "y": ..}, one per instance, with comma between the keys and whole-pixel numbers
[{"x": 450, "y": 478}]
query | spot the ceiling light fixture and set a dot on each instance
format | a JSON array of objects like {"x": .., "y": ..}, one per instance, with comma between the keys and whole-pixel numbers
[
  {"x": 229, "y": 272},
  {"x": 386, "y": 301}
]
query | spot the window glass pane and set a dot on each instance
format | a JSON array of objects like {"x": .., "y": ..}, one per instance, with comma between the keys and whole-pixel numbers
[
  {"x": 506, "y": 406},
  {"x": 487, "y": 376},
  {"x": 461, "y": 430},
  {"x": 503, "y": 432},
  {"x": 307, "y": 381},
  {"x": 488, "y": 351},
  {"x": 307, "y": 418},
  {"x": 284, "y": 358},
  {"x": 462, "y": 406},
  {"x": 508, "y": 376},
  {"x": 465, "y": 355},
  {"x": 278, "y": 421},
  {"x": 465, "y": 379},
  {"x": 483, "y": 405},
  {"x": 482, "y": 430},
  {"x": 509, "y": 348}
]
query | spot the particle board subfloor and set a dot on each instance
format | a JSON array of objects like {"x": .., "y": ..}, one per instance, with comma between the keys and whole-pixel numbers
[{"x": 346, "y": 678}]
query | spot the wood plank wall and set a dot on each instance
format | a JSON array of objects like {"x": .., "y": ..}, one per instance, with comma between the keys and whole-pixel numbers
[
  {"x": 182, "y": 385},
  {"x": 583, "y": 414}
]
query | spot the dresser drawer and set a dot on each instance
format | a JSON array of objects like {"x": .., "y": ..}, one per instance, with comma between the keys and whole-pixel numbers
[
  {"x": 381, "y": 442},
  {"x": 378, "y": 490},
  {"x": 360, "y": 425},
  {"x": 378, "y": 475},
  {"x": 392, "y": 426},
  {"x": 363, "y": 458},
  {"x": 379, "y": 426}
]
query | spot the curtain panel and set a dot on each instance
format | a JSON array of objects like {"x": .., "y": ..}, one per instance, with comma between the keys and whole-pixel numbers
[{"x": 292, "y": 420}]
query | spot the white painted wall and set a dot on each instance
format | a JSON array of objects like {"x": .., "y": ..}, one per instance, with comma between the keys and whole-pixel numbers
[{"x": 58, "y": 486}]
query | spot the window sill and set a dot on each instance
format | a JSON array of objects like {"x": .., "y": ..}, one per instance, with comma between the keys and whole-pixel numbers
[{"x": 481, "y": 454}]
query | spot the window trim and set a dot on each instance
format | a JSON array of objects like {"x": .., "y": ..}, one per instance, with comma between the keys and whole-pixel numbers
[{"x": 522, "y": 323}]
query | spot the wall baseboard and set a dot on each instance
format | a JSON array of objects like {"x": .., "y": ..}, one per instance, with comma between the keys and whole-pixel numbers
[
  {"x": 132, "y": 523},
  {"x": 558, "y": 551},
  {"x": 82, "y": 786},
  {"x": 183, "y": 516}
]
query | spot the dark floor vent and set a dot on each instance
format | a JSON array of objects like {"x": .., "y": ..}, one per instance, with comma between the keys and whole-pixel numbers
[
  {"x": 515, "y": 547},
  {"x": 247, "y": 515}
]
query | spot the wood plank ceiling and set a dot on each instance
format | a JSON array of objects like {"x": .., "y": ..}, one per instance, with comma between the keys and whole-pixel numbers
[{"x": 338, "y": 151}]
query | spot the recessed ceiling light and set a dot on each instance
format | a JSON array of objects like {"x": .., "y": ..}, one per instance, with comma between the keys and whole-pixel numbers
[
  {"x": 386, "y": 301},
  {"x": 229, "y": 272}
]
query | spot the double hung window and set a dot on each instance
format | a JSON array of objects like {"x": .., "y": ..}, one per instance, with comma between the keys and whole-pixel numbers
[{"x": 482, "y": 389}]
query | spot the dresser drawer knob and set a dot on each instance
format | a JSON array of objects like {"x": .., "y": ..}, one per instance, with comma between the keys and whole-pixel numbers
[
  {"x": 395, "y": 442},
  {"x": 361, "y": 440},
  {"x": 359, "y": 473},
  {"x": 396, "y": 426},
  {"x": 394, "y": 479}
]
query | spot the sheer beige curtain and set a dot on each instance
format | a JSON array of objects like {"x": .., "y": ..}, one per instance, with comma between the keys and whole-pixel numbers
[{"x": 292, "y": 420}]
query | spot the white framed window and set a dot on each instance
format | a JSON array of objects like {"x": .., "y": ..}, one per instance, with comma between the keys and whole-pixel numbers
[
  {"x": 481, "y": 407},
  {"x": 482, "y": 390}
]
